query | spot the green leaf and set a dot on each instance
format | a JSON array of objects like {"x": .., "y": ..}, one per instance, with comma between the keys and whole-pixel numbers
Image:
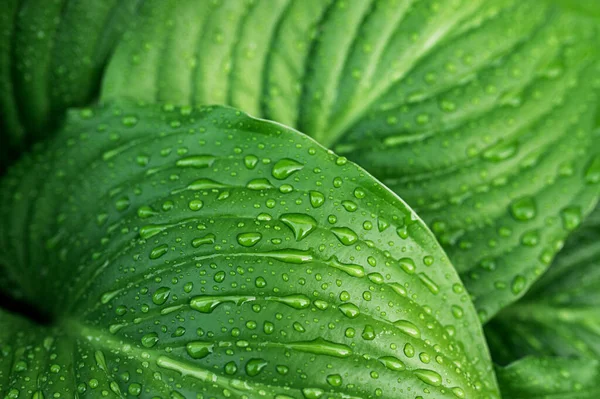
[
  {"x": 192, "y": 251},
  {"x": 548, "y": 377},
  {"x": 52, "y": 55},
  {"x": 480, "y": 114},
  {"x": 560, "y": 316}
]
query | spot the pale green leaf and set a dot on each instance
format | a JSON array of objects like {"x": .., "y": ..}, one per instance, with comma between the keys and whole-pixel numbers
[{"x": 480, "y": 114}]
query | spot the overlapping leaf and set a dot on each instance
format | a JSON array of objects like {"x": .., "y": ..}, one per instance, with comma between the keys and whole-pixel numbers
[
  {"x": 560, "y": 316},
  {"x": 185, "y": 251},
  {"x": 480, "y": 114},
  {"x": 52, "y": 54},
  {"x": 548, "y": 377}
]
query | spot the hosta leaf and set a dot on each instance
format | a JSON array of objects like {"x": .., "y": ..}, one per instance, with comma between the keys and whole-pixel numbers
[
  {"x": 480, "y": 114},
  {"x": 192, "y": 251},
  {"x": 52, "y": 54},
  {"x": 561, "y": 314},
  {"x": 548, "y": 377}
]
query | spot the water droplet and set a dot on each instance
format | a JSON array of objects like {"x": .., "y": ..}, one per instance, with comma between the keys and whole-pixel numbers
[
  {"x": 500, "y": 152},
  {"x": 145, "y": 211},
  {"x": 196, "y": 161},
  {"x": 296, "y": 301},
  {"x": 259, "y": 184},
  {"x": 248, "y": 239},
  {"x": 571, "y": 217},
  {"x": 316, "y": 199},
  {"x": 250, "y": 161},
  {"x": 207, "y": 239},
  {"x": 255, "y": 366},
  {"x": 530, "y": 238},
  {"x": 161, "y": 295},
  {"x": 320, "y": 346},
  {"x": 285, "y": 167},
  {"x": 291, "y": 256},
  {"x": 518, "y": 284},
  {"x": 312, "y": 393},
  {"x": 195, "y": 204},
  {"x": 458, "y": 392},
  {"x": 592, "y": 173},
  {"x": 349, "y": 206},
  {"x": 208, "y": 303},
  {"x": 204, "y": 184},
  {"x": 409, "y": 350},
  {"x": 302, "y": 225},
  {"x": 523, "y": 209},
  {"x": 350, "y": 269},
  {"x": 149, "y": 340},
  {"x": 429, "y": 283},
  {"x": 368, "y": 333},
  {"x": 349, "y": 310},
  {"x": 159, "y": 251},
  {"x": 345, "y": 235},
  {"x": 408, "y": 265},
  {"x": 392, "y": 363},
  {"x": 429, "y": 377},
  {"x": 335, "y": 380},
  {"x": 408, "y": 328},
  {"x": 199, "y": 349}
]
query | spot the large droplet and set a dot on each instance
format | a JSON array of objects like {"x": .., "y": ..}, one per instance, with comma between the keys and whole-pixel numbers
[
  {"x": 523, "y": 209},
  {"x": 316, "y": 199},
  {"x": 571, "y": 217},
  {"x": 392, "y": 363},
  {"x": 429, "y": 377},
  {"x": 408, "y": 328},
  {"x": 208, "y": 303},
  {"x": 207, "y": 239},
  {"x": 255, "y": 366},
  {"x": 196, "y": 161},
  {"x": 345, "y": 235},
  {"x": 349, "y": 310},
  {"x": 296, "y": 301},
  {"x": 320, "y": 346},
  {"x": 302, "y": 225},
  {"x": 350, "y": 269},
  {"x": 249, "y": 239},
  {"x": 199, "y": 349},
  {"x": 161, "y": 295},
  {"x": 149, "y": 340},
  {"x": 285, "y": 167}
]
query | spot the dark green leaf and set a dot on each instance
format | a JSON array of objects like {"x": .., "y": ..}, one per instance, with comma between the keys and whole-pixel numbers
[
  {"x": 184, "y": 251},
  {"x": 550, "y": 378},
  {"x": 560, "y": 316},
  {"x": 52, "y": 54},
  {"x": 478, "y": 113}
]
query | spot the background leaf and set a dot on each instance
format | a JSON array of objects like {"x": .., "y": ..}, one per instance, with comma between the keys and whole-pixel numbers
[
  {"x": 185, "y": 251},
  {"x": 52, "y": 55},
  {"x": 560, "y": 316},
  {"x": 479, "y": 113},
  {"x": 548, "y": 377}
]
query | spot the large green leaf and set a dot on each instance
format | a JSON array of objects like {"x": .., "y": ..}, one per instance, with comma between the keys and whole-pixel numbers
[
  {"x": 561, "y": 313},
  {"x": 478, "y": 113},
  {"x": 548, "y": 377},
  {"x": 52, "y": 55},
  {"x": 189, "y": 252}
]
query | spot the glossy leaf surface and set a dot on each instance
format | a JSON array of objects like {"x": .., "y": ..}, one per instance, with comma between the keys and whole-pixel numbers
[
  {"x": 480, "y": 114},
  {"x": 188, "y": 251}
]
